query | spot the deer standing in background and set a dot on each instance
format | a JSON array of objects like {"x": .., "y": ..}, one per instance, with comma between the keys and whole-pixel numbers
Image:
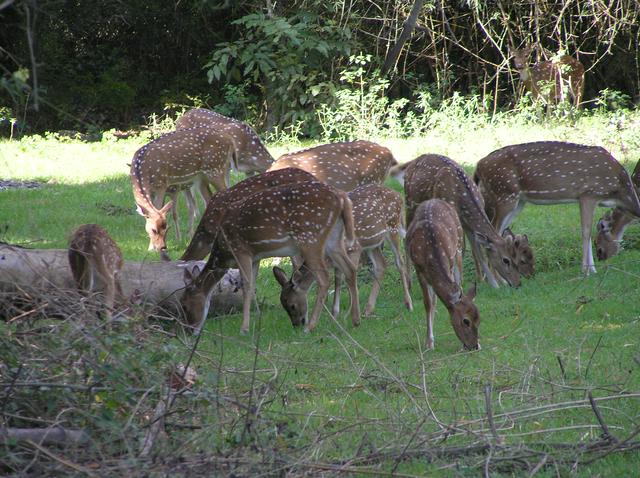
[
  {"x": 344, "y": 165},
  {"x": 432, "y": 176},
  {"x": 252, "y": 155},
  {"x": 377, "y": 215},
  {"x": 95, "y": 261},
  {"x": 310, "y": 219},
  {"x": 549, "y": 81},
  {"x": 209, "y": 225},
  {"x": 552, "y": 172},
  {"x": 434, "y": 243},
  {"x": 612, "y": 225},
  {"x": 191, "y": 156}
]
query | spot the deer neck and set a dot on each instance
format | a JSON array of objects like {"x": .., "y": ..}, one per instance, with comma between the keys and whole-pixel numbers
[{"x": 141, "y": 186}]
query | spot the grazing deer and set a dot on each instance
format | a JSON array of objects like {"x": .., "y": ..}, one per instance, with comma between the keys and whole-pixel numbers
[
  {"x": 612, "y": 225},
  {"x": 344, "y": 165},
  {"x": 199, "y": 155},
  {"x": 311, "y": 219},
  {"x": 253, "y": 156},
  {"x": 209, "y": 225},
  {"x": 551, "y": 172},
  {"x": 550, "y": 80},
  {"x": 95, "y": 261},
  {"x": 377, "y": 216},
  {"x": 434, "y": 243},
  {"x": 432, "y": 176}
]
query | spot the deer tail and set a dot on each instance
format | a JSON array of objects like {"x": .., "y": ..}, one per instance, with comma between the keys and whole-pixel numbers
[
  {"x": 347, "y": 219},
  {"x": 629, "y": 194}
]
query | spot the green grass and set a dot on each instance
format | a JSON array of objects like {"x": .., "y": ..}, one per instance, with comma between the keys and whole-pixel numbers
[{"x": 340, "y": 392}]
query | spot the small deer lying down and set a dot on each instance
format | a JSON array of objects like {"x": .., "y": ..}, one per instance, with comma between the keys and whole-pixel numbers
[
  {"x": 310, "y": 219},
  {"x": 377, "y": 215},
  {"x": 149, "y": 284},
  {"x": 612, "y": 225},
  {"x": 209, "y": 225},
  {"x": 95, "y": 261},
  {"x": 434, "y": 243}
]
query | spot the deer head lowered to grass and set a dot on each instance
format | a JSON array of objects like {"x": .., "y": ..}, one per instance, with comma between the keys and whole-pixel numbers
[
  {"x": 377, "y": 215},
  {"x": 433, "y": 176},
  {"x": 552, "y": 172},
  {"x": 434, "y": 243},
  {"x": 197, "y": 155},
  {"x": 310, "y": 219},
  {"x": 612, "y": 225}
]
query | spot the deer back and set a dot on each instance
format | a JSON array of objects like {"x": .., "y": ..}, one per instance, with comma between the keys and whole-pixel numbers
[
  {"x": 553, "y": 171},
  {"x": 253, "y": 156},
  {"x": 377, "y": 210},
  {"x": 344, "y": 165},
  {"x": 283, "y": 219},
  {"x": 208, "y": 227}
]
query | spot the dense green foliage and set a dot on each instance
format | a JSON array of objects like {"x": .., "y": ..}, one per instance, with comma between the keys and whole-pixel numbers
[{"x": 87, "y": 65}]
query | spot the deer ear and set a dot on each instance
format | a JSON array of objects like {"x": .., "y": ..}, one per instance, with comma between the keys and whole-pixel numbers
[
  {"x": 483, "y": 240},
  {"x": 471, "y": 293},
  {"x": 507, "y": 232},
  {"x": 142, "y": 211},
  {"x": 188, "y": 277},
  {"x": 456, "y": 297},
  {"x": 167, "y": 207},
  {"x": 281, "y": 277}
]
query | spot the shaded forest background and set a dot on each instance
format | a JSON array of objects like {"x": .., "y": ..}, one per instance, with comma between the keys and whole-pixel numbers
[{"x": 90, "y": 66}]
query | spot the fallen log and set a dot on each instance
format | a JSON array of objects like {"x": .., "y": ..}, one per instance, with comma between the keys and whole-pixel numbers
[{"x": 152, "y": 284}]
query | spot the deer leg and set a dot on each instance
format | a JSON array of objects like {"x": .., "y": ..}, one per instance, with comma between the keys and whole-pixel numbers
[
  {"x": 377, "y": 261},
  {"x": 587, "y": 208},
  {"x": 394, "y": 241},
  {"x": 428, "y": 297},
  {"x": 192, "y": 207},
  {"x": 174, "y": 213},
  {"x": 219, "y": 183},
  {"x": 335, "y": 309},
  {"x": 248, "y": 290},
  {"x": 204, "y": 189},
  {"x": 316, "y": 265},
  {"x": 341, "y": 260}
]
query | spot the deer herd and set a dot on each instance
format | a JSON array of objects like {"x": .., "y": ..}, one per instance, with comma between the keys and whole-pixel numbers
[{"x": 326, "y": 206}]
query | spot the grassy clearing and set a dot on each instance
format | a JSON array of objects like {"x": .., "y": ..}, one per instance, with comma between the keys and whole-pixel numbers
[{"x": 368, "y": 399}]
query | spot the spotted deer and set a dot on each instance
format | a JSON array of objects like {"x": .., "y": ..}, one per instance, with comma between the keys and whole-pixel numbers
[
  {"x": 612, "y": 225},
  {"x": 433, "y": 176},
  {"x": 377, "y": 216},
  {"x": 253, "y": 156},
  {"x": 310, "y": 219},
  {"x": 197, "y": 156},
  {"x": 95, "y": 261},
  {"x": 552, "y": 172},
  {"x": 344, "y": 165},
  {"x": 209, "y": 224},
  {"x": 435, "y": 243},
  {"x": 550, "y": 81}
]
